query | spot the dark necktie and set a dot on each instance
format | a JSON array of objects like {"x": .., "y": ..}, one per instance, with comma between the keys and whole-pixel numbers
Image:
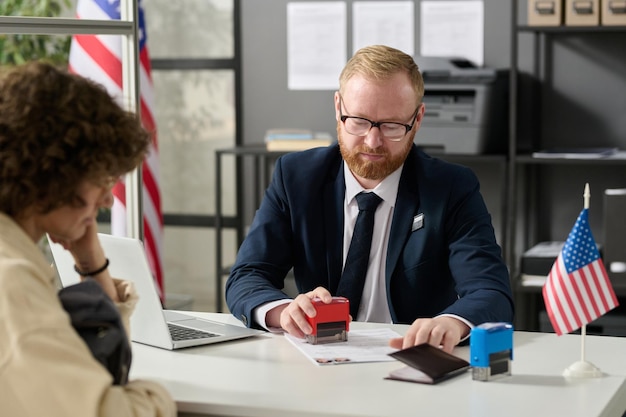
[{"x": 353, "y": 277}]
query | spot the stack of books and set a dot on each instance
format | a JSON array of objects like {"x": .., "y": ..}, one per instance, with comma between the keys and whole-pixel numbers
[{"x": 295, "y": 139}]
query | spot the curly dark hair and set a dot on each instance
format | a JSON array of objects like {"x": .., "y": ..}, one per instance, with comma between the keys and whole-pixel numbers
[{"x": 57, "y": 130}]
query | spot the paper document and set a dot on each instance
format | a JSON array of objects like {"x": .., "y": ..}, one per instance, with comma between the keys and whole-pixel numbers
[
  {"x": 316, "y": 44},
  {"x": 453, "y": 29},
  {"x": 362, "y": 346},
  {"x": 388, "y": 23}
]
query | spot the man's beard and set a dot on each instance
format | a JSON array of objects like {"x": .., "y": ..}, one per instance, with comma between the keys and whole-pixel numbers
[{"x": 372, "y": 170}]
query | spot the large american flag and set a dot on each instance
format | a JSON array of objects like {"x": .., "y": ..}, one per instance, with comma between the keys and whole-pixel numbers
[
  {"x": 98, "y": 57},
  {"x": 578, "y": 290}
]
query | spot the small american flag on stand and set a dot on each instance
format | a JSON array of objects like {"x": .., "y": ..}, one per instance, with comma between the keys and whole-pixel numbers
[
  {"x": 578, "y": 290},
  {"x": 98, "y": 57}
]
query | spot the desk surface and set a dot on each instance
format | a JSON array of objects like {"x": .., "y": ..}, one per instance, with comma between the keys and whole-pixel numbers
[{"x": 268, "y": 376}]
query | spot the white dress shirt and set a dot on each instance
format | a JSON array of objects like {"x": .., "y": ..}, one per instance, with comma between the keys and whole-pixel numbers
[{"x": 373, "y": 306}]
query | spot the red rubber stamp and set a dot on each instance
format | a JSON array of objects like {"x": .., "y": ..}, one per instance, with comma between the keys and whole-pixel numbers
[{"x": 332, "y": 322}]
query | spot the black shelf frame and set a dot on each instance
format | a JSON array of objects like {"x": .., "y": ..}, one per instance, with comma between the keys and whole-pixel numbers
[
  {"x": 523, "y": 167},
  {"x": 570, "y": 29}
]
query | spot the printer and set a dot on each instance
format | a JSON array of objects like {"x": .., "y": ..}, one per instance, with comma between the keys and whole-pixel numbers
[{"x": 466, "y": 107}]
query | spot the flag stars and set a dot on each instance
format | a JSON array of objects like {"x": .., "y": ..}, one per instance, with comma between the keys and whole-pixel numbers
[
  {"x": 580, "y": 248},
  {"x": 115, "y": 5}
]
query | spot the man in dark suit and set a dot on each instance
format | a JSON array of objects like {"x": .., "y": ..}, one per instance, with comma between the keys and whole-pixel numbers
[{"x": 434, "y": 261}]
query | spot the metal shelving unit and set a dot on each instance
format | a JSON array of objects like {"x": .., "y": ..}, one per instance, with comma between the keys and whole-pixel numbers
[{"x": 525, "y": 171}]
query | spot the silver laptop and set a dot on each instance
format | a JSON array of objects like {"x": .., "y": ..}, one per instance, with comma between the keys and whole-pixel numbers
[{"x": 150, "y": 323}]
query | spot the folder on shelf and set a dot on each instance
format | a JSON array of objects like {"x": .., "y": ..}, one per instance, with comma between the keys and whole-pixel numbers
[{"x": 577, "y": 153}]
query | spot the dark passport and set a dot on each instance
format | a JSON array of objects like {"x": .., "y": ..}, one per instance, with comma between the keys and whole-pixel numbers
[{"x": 427, "y": 365}]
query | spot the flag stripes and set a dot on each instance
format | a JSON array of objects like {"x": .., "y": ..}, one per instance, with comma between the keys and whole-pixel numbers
[
  {"x": 578, "y": 290},
  {"x": 98, "y": 57}
]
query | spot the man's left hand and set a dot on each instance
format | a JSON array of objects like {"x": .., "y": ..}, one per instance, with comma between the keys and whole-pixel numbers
[{"x": 442, "y": 331}]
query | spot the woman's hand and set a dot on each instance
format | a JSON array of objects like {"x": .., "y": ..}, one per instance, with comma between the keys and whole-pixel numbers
[{"x": 89, "y": 256}]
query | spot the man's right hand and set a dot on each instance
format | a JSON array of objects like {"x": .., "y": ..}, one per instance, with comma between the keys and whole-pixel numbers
[{"x": 292, "y": 317}]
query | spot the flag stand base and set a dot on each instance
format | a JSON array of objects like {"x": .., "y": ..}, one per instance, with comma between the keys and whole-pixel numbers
[{"x": 582, "y": 369}]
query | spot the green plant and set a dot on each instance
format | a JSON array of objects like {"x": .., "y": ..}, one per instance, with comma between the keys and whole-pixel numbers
[{"x": 20, "y": 48}]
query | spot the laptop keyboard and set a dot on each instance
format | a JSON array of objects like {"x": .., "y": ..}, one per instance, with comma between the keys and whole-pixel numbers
[{"x": 184, "y": 333}]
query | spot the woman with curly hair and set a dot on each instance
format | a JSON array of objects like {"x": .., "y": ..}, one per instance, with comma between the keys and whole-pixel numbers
[{"x": 63, "y": 144}]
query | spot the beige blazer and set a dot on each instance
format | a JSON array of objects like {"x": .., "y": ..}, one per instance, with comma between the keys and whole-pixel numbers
[{"x": 45, "y": 367}]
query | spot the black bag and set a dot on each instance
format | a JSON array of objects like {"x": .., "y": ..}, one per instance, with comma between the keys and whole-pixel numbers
[{"x": 97, "y": 320}]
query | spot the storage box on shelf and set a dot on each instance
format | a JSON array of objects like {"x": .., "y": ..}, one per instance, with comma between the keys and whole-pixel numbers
[
  {"x": 613, "y": 12},
  {"x": 582, "y": 13}
]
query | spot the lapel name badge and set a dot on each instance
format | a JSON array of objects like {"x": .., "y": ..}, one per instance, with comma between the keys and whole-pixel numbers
[{"x": 418, "y": 222}]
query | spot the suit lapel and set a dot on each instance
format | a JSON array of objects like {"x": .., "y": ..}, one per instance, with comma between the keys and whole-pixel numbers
[
  {"x": 407, "y": 203},
  {"x": 334, "y": 194}
]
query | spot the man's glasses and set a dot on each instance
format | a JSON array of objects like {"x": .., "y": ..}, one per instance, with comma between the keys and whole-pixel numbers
[{"x": 360, "y": 126}]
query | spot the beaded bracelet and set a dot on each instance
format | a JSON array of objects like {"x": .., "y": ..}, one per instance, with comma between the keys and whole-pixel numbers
[{"x": 92, "y": 273}]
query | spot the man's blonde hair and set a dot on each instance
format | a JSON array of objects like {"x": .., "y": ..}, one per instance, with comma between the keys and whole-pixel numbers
[{"x": 380, "y": 62}]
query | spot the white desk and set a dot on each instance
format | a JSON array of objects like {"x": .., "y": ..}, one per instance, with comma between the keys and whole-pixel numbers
[{"x": 267, "y": 376}]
